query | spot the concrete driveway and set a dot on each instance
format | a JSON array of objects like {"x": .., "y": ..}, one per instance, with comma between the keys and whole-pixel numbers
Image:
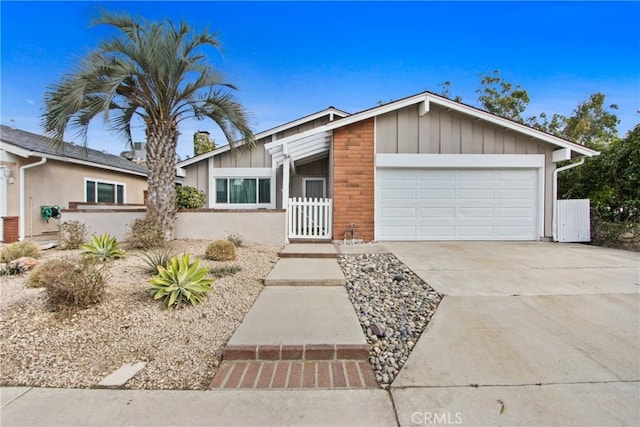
[{"x": 527, "y": 334}]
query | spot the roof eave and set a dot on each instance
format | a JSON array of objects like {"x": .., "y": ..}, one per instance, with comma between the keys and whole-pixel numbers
[{"x": 7, "y": 146}]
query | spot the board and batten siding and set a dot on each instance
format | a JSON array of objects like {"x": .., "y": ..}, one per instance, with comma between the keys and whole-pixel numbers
[
  {"x": 442, "y": 131},
  {"x": 447, "y": 132}
]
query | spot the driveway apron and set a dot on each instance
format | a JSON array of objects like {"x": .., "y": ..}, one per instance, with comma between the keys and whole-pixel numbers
[{"x": 527, "y": 333}]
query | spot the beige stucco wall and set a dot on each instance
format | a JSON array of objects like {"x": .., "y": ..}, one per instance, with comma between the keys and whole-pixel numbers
[
  {"x": 442, "y": 131},
  {"x": 266, "y": 227},
  {"x": 58, "y": 183},
  {"x": 98, "y": 221}
]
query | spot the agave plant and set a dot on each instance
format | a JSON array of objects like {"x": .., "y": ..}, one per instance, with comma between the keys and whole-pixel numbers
[
  {"x": 156, "y": 258},
  {"x": 181, "y": 282},
  {"x": 103, "y": 248}
]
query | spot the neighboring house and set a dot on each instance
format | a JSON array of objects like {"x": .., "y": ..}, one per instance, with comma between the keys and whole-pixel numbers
[
  {"x": 33, "y": 174},
  {"x": 420, "y": 168}
]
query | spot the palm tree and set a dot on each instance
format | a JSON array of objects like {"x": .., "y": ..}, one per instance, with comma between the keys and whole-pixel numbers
[{"x": 154, "y": 71}]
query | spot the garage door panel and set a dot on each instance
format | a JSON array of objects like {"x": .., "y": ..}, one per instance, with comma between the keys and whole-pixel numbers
[
  {"x": 437, "y": 193},
  {"x": 478, "y": 212},
  {"x": 436, "y": 212},
  {"x": 406, "y": 212},
  {"x": 439, "y": 232},
  {"x": 399, "y": 194},
  {"x": 407, "y": 232},
  {"x": 449, "y": 204},
  {"x": 476, "y": 193}
]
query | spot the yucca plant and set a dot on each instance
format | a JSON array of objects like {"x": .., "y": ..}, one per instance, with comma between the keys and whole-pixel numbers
[
  {"x": 182, "y": 282},
  {"x": 103, "y": 247},
  {"x": 156, "y": 258}
]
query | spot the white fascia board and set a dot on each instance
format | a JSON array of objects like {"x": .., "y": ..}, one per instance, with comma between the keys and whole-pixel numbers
[
  {"x": 26, "y": 154},
  {"x": 266, "y": 133},
  {"x": 242, "y": 172},
  {"x": 18, "y": 151},
  {"x": 354, "y": 118},
  {"x": 526, "y": 130},
  {"x": 462, "y": 161},
  {"x": 561, "y": 155}
]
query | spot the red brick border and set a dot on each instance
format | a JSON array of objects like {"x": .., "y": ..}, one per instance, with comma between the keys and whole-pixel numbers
[
  {"x": 297, "y": 352},
  {"x": 294, "y": 374}
]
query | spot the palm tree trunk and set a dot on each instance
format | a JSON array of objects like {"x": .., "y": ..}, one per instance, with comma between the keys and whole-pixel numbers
[{"x": 162, "y": 140}]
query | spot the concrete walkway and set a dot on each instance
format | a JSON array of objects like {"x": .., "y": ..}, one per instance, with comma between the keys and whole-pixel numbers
[{"x": 302, "y": 331}]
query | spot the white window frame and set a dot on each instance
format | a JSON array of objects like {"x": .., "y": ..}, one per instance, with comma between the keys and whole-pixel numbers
[
  {"x": 105, "y": 181},
  {"x": 312, "y": 178},
  {"x": 243, "y": 173}
]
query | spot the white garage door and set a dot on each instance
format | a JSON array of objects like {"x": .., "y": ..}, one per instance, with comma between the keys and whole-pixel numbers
[{"x": 457, "y": 204}]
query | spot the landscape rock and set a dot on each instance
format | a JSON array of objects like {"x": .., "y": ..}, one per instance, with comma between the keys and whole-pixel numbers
[{"x": 393, "y": 306}]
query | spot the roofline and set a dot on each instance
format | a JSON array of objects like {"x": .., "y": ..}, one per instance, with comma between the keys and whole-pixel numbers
[
  {"x": 266, "y": 133},
  {"x": 427, "y": 98},
  {"x": 19, "y": 151}
]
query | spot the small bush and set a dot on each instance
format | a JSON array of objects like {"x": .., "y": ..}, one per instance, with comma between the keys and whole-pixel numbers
[
  {"x": 156, "y": 258},
  {"x": 145, "y": 234},
  {"x": 190, "y": 198},
  {"x": 12, "y": 252},
  {"x": 182, "y": 282},
  {"x": 221, "y": 250},
  {"x": 72, "y": 234},
  {"x": 225, "y": 270},
  {"x": 102, "y": 248},
  {"x": 236, "y": 239},
  {"x": 70, "y": 284}
]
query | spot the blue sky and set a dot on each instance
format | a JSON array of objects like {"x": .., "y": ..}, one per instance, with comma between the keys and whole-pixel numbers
[{"x": 290, "y": 59}]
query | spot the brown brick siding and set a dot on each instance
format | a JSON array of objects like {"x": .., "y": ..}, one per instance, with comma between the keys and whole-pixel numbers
[
  {"x": 353, "y": 172},
  {"x": 10, "y": 225}
]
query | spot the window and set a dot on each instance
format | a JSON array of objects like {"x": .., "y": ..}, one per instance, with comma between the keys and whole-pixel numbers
[
  {"x": 243, "y": 190},
  {"x": 103, "y": 192}
]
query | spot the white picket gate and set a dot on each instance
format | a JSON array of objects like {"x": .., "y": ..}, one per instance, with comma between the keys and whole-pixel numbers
[
  {"x": 573, "y": 220},
  {"x": 309, "y": 218}
]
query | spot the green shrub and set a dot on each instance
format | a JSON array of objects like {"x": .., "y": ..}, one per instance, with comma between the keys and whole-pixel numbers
[
  {"x": 18, "y": 250},
  {"x": 156, "y": 258},
  {"x": 182, "y": 282},
  {"x": 236, "y": 239},
  {"x": 145, "y": 234},
  {"x": 70, "y": 284},
  {"x": 72, "y": 234},
  {"x": 190, "y": 198},
  {"x": 221, "y": 250},
  {"x": 102, "y": 248},
  {"x": 225, "y": 270}
]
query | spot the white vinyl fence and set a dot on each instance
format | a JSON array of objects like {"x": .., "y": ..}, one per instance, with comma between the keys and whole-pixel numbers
[
  {"x": 309, "y": 218},
  {"x": 573, "y": 220}
]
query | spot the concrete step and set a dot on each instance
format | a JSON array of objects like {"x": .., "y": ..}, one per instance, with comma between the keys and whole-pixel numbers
[
  {"x": 306, "y": 272},
  {"x": 309, "y": 250},
  {"x": 299, "y": 323},
  {"x": 294, "y": 375}
]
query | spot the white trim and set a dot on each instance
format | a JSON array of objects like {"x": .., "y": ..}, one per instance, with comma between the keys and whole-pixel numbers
[
  {"x": 214, "y": 204},
  {"x": 269, "y": 132},
  {"x": 105, "y": 181},
  {"x": 314, "y": 178},
  {"x": 460, "y": 160},
  {"x": 211, "y": 183},
  {"x": 427, "y": 97},
  {"x": 26, "y": 154},
  {"x": 241, "y": 172},
  {"x": 561, "y": 155}
]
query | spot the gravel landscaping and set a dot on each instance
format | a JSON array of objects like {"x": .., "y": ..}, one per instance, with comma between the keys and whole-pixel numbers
[
  {"x": 182, "y": 347},
  {"x": 393, "y": 306}
]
